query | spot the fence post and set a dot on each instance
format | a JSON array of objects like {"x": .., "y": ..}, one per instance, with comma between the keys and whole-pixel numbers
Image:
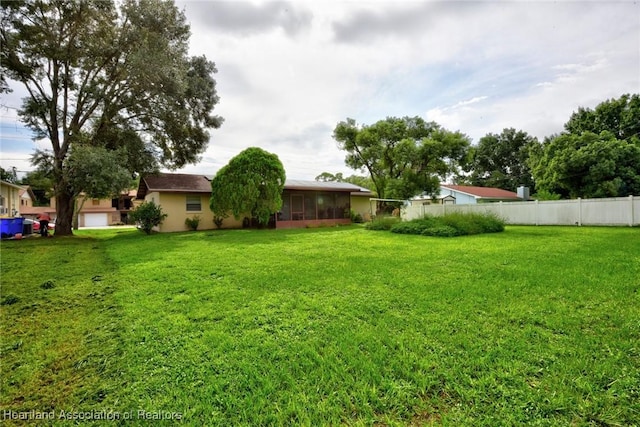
[
  {"x": 579, "y": 212},
  {"x": 631, "y": 211},
  {"x": 536, "y": 213}
]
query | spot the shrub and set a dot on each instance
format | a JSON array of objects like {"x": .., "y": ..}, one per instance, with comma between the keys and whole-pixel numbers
[
  {"x": 441, "y": 231},
  {"x": 147, "y": 216},
  {"x": 409, "y": 227},
  {"x": 453, "y": 224},
  {"x": 492, "y": 223},
  {"x": 382, "y": 223},
  {"x": 356, "y": 217},
  {"x": 416, "y": 226},
  {"x": 217, "y": 220},
  {"x": 193, "y": 222},
  {"x": 464, "y": 223}
]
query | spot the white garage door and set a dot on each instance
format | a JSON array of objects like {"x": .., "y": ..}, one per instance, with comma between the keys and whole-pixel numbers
[{"x": 95, "y": 220}]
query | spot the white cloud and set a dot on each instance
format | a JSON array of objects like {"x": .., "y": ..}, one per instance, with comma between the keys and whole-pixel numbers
[
  {"x": 473, "y": 100},
  {"x": 289, "y": 71}
]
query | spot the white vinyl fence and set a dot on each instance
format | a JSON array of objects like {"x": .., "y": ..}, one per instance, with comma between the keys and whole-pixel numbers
[{"x": 613, "y": 211}]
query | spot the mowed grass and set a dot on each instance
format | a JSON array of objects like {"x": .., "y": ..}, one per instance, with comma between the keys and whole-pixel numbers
[{"x": 339, "y": 326}]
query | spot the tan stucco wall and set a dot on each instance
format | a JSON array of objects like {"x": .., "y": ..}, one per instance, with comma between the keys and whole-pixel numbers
[
  {"x": 175, "y": 206},
  {"x": 90, "y": 203},
  {"x": 25, "y": 202},
  {"x": 361, "y": 205},
  {"x": 11, "y": 200}
]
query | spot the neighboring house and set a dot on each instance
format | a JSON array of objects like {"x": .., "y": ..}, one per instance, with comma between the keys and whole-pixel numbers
[
  {"x": 438, "y": 200},
  {"x": 93, "y": 212},
  {"x": 26, "y": 198},
  {"x": 304, "y": 203},
  {"x": 9, "y": 199},
  {"x": 125, "y": 203},
  {"x": 466, "y": 194}
]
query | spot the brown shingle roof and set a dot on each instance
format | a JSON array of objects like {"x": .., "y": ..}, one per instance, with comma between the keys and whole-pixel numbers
[
  {"x": 483, "y": 192},
  {"x": 173, "y": 182},
  {"x": 187, "y": 183}
]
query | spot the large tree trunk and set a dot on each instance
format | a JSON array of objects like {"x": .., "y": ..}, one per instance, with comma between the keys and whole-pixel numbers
[{"x": 64, "y": 213}]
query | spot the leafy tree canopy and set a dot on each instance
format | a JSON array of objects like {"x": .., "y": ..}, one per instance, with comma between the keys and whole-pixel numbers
[
  {"x": 598, "y": 155},
  {"x": 107, "y": 74},
  {"x": 329, "y": 177},
  {"x": 41, "y": 185},
  {"x": 96, "y": 172},
  {"x": 500, "y": 160},
  {"x": 588, "y": 165},
  {"x": 250, "y": 184},
  {"x": 10, "y": 175},
  {"x": 403, "y": 156},
  {"x": 620, "y": 116},
  {"x": 361, "y": 181}
]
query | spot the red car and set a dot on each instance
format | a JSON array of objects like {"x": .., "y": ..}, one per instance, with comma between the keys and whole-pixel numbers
[{"x": 36, "y": 226}]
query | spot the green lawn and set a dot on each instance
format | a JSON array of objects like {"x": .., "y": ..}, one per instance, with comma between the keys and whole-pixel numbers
[{"x": 333, "y": 326}]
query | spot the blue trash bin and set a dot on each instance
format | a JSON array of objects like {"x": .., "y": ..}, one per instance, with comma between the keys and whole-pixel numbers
[{"x": 9, "y": 227}]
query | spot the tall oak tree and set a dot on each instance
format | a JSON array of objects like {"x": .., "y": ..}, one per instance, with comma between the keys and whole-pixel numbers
[
  {"x": 108, "y": 74},
  {"x": 403, "y": 156}
]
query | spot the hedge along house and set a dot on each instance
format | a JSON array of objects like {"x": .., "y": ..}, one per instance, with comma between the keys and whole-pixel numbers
[{"x": 304, "y": 203}]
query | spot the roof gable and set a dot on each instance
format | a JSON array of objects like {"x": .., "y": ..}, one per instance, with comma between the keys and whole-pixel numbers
[{"x": 26, "y": 193}]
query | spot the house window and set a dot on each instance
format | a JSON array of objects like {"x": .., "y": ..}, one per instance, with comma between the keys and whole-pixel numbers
[
  {"x": 194, "y": 204},
  {"x": 95, "y": 202}
]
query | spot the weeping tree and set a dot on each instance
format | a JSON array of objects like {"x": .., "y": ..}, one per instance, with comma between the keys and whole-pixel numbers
[
  {"x": 109, "y": 75},
  {"x": 250, "y": 184}
]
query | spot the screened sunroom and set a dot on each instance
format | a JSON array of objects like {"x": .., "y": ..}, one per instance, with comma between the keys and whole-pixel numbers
[{"x": 312, "y": 203}]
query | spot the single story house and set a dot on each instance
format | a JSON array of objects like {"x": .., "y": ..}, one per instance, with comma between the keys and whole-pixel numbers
[
  {"x": 467, "y": 194},
  {"x": 304, "y": 203}
]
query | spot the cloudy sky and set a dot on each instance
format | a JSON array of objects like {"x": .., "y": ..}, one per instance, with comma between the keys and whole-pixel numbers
[{"x": 288, "y": 72}]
